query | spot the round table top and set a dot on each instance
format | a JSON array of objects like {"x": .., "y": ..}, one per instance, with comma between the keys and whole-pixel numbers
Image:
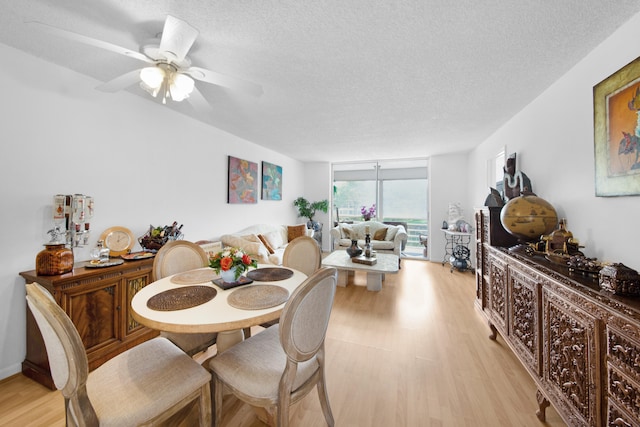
[{"x": 215, "y": 315}]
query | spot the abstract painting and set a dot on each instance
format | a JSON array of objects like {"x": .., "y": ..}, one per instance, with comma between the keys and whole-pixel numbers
[
  {"x": 243, "y": 181},
  {"x": 271, "y": 181}
]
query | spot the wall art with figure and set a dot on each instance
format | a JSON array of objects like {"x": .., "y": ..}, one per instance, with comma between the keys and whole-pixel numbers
[
  {"x": 616, "y": 104},
  {"x": 243, "y": 181}
]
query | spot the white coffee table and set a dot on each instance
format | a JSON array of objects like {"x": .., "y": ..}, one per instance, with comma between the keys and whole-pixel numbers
[{"x": 386, "y": 263}]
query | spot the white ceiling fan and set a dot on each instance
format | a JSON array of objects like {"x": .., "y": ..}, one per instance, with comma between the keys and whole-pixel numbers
[{"x": 169, "y": 73}]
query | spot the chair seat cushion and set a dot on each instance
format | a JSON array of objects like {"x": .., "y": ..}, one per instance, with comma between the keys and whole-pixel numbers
[
  {"x": 143, "y": 382},
  {"x": 255, "y": 366}
]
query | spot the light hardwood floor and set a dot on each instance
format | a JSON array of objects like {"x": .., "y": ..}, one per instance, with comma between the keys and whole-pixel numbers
[{"x": 416, "y": 353}]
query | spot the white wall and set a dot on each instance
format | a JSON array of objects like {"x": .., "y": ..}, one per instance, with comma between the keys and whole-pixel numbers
[
  {"x": 553, "y": 137},
  {"x": 318, "y": 186},
  {"x": 143, "y": 164},
  {"x": 447, "y": 184}
]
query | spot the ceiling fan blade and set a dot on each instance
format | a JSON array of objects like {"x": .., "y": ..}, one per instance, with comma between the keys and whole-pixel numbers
[
  {"x": 70, "y": 35},
  {"x": 199, "y": 103},
  {"x": 177, "y": 38},
  {"x": 121, "y": 82},
  {"x": 214, "y": 78}
]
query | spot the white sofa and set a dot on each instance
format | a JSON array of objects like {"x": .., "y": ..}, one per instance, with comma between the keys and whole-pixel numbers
[
  {"x": 265, "y": 242},
  {"x": 384, "y": 237}
]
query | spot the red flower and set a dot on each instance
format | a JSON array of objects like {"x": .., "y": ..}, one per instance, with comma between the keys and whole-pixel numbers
[
  {"x": 246, "y": 259},
  {"x": 226, "y": 263}
]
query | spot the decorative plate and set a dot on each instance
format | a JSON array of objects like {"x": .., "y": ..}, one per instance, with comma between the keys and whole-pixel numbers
[
  {"x": 109, "y": 263},
  {"x": 119, "y": 240},
  {"x": 137, "y": 255}
]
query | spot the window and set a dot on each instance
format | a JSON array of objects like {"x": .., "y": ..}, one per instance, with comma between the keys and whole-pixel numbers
[{"x": 398, "y": 189}]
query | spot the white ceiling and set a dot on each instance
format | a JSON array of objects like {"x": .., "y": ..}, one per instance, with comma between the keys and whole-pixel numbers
[{"x": 342, "y": 79}]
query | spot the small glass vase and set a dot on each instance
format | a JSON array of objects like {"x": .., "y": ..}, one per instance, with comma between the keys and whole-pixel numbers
[{"x": 229, "y": 276}]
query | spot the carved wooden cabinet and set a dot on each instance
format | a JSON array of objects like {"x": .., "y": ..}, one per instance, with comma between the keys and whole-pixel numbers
[
  {"x": 580, "y": 344},
  {"x": 98, "y": 301}
]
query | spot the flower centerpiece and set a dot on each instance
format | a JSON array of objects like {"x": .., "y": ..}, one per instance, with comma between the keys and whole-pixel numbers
[
  {"x": 231, "y": 262},
  {"x": 368, "y": 213}
]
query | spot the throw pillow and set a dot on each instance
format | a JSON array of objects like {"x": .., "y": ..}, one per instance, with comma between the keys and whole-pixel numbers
[
  {"x": 294, "y": 231},
  {"x": 346, "y": 231},
  {"x": 274, "y": 238},
  {"x": 266, "y": 244},
  {"x": 391, "y": 233},
  {"x": 380, "y": 234}
]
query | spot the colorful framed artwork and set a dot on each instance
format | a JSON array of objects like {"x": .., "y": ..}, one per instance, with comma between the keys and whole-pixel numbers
[
  {"x": 271, "y": 181},
  {"x": 243, "y": 181},
  {"x": 616, "y": 107}
]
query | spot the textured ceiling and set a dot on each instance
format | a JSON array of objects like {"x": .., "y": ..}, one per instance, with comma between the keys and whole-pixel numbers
[{"x": 342, "y": 80}]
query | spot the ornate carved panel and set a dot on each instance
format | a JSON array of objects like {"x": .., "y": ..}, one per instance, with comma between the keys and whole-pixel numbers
[
  {"x": 133, "y": 285},
  {"x": 618, "y": 418},
  {"x": 498, "y": 291},
  {"x": 624, "y": 371},
  {"x": 570, "y": 357},
  {"x": 524, "y": 318}
]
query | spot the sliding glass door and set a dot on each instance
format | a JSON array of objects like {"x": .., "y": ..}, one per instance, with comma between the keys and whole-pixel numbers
[{"x": 398, "y": 189}]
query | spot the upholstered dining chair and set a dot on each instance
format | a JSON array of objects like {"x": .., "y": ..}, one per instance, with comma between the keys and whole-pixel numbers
[
  {"x": 303, "y": 254},
  {"x": 175, "y": 257},
  {"x": 280, "y": 365},
  {"x": 144, "y": 385}
]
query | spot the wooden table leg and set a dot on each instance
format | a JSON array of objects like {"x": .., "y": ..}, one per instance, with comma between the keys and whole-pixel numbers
[{"x": 228, "y": 339}]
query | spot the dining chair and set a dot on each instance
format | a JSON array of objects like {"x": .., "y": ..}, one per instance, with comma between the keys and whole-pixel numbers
[
  {"x": 303, "y": 254},
  {"x": 174, "y": 257},
  {"x": 280, "y": 365},
  {"x": 145, "y": 385}
]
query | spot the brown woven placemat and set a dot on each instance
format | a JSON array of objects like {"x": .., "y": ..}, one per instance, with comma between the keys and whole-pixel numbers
[
  {"x": 193, "y": 277},
  {"x": 270, "y": 274},
  {"x": 258, "y": 297},
  {"x": 181, "y": 298}
]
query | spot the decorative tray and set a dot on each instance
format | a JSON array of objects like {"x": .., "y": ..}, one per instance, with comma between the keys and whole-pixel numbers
[
  {"x": 109, "y": 263},
  {"x": 269, "y": 274},
  {"x": 137, "y": 255},
  {"x": 258, "y": 297},
  {"x": 181, "y": 298},
  {"x": 224, "y": 285}
]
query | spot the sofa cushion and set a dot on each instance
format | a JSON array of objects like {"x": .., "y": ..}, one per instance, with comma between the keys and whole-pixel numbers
[
  {"x": 391, "y": 233},
  {"x": 346, "y": 231},
  {"x": 380, "y": 234},
  {"x": 266, "y": 243},
  {"x": 274, "y": 238},
  {"x": 294, "y": 231},
  {"x": 250, "y": 243}
]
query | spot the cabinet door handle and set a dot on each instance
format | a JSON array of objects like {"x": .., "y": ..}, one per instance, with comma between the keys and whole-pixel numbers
[{"x": 118, "y": 308}]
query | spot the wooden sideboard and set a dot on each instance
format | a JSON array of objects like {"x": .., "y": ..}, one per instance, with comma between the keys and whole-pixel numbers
[
  {"x": 580, "y": 344},
  {"x": 98, "y": 301}
]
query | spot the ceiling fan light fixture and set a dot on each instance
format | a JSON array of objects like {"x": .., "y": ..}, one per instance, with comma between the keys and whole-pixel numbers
[
  {"x": 152, "y": 77},
  {"x": 181, "y": 87}
]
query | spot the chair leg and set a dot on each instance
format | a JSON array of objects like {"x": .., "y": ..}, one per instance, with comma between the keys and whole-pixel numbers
[
  {"x": 205, "y": 406},
  {"x": 218, "y": 387},
  {"x": 324, "y": 401}
]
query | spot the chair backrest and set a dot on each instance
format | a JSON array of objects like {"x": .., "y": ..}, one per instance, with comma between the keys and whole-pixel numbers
[
  {"x": 303, "y": 254},
  {"x": 65, "y": 351},
  {"x": 177, "y": 256},
  {"x": 305, "y": 317}
]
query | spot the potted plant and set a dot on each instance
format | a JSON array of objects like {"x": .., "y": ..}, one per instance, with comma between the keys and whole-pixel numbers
[{"x": 307, "y": 209}]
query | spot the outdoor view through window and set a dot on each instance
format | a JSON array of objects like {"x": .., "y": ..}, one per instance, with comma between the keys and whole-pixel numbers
[{"x": 398, "y": 189}]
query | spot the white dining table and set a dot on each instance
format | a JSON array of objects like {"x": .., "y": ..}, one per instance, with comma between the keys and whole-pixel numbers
[{"x": 215, "y": 315}]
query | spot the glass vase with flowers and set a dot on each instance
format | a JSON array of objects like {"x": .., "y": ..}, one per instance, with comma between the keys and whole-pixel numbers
[
  {"x": 231, "y": 263},
  {"x": 368, "y": 213}
]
